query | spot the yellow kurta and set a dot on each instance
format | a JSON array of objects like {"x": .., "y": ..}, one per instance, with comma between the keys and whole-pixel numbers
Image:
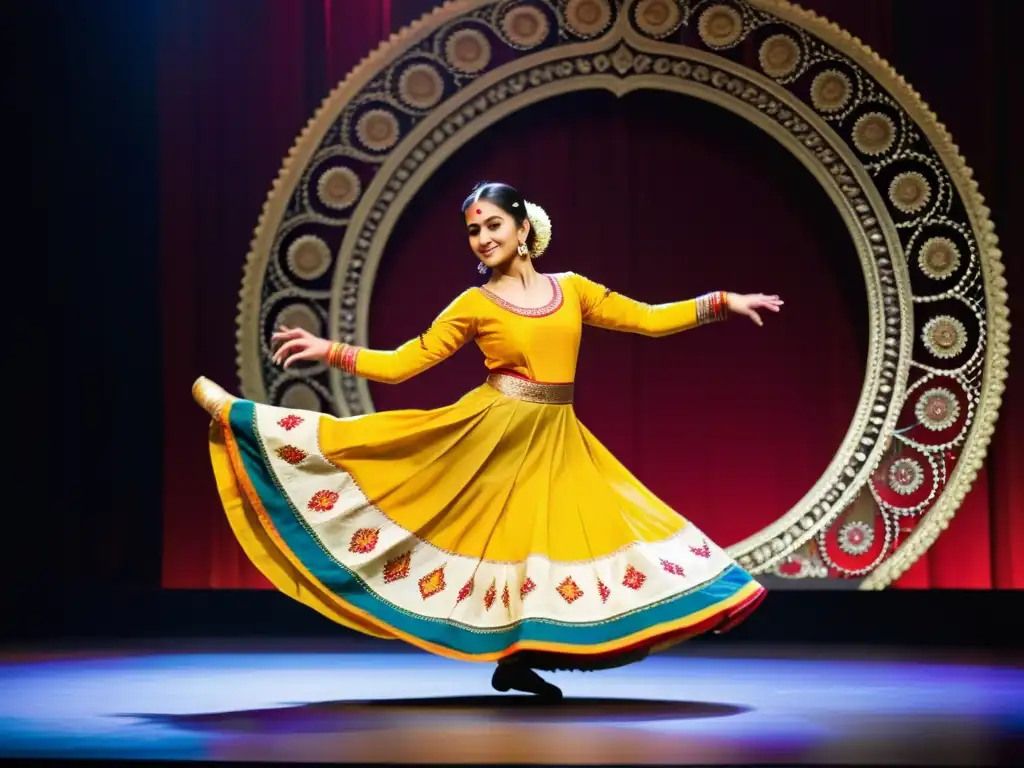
[{"x": 488, "y": 527}]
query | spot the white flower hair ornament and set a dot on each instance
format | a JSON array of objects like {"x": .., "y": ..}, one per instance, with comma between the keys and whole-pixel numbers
[{"x": 540, "y": 222}]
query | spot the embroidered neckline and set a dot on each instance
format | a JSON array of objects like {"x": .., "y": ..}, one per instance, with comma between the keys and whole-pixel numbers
[{"x": 548, "y": 309}]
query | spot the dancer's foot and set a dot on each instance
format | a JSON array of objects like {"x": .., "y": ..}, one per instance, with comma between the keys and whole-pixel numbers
[
  {"x": 210, "y": 396},
  {"x": 517, "y": 677}
]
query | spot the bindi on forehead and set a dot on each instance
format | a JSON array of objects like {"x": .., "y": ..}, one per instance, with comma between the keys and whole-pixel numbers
[{"x": 479, "y": 215}]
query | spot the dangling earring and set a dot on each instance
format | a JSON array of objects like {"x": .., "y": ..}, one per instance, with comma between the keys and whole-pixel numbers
[
  {"x": 523, "y": 250},
  {"x": 481, "y": 268}
]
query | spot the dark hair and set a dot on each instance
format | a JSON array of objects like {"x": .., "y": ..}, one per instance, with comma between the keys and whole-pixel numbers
[{"x": 505, "y": 197}]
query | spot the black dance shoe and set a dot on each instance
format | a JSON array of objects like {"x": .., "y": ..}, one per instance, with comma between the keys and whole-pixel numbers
[{"x": 516, "y": 677}]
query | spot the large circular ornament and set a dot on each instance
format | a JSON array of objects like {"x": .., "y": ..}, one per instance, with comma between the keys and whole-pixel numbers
[
  {"x": 925, "y": 244},
  {"x": 856, "y": 538}
]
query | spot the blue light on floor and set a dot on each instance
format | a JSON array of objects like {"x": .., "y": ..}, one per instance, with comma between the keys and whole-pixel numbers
[{"x": 175, "y": 705}]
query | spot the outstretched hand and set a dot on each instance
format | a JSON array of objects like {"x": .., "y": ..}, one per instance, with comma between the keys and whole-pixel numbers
[
  {"x": 298, "y": 344},
  {"x": 748, "y": 304}
]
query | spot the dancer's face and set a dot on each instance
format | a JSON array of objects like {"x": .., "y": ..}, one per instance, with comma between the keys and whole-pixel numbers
[{"x": 493, "y": 234}]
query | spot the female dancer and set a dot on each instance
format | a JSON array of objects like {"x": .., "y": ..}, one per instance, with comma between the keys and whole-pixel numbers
[{"x": 497, "y": 528}]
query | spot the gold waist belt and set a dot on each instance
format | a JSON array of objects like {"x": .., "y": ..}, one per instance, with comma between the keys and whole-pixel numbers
[{"x": 531, "y": 391}]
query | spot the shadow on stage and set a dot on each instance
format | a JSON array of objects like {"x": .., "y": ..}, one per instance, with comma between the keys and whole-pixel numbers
[{"x": 340, "y": 716}]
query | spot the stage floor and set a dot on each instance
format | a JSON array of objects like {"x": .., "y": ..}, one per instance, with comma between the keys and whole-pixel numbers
[{"x": 380, "y": 702}]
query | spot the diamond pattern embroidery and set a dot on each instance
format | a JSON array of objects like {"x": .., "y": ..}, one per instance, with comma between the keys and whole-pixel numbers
[
  {"x": 397, "y": 569},
  {"x": 633, "y": 579},
  {"x": 527, "y": 587},
  {"x": 489, "y": 595},
  {"x": 569, "y": 590},
  {"x": 364, "y": 540},
  {"x": 432, "y": 583}
]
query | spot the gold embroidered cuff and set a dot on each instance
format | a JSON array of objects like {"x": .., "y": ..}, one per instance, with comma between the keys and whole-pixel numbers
[{"x": 531, "y": 391}]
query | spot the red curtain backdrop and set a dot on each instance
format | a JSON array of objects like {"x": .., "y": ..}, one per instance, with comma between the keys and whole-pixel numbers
[
  {"x": 730, "y": 424},
  {"x": 238, "y": 79}
]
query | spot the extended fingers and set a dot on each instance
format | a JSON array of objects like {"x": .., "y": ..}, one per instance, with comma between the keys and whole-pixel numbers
[
  {"x": 772, "y": 303},
  {"x": 285, "y": 349},
  {"x": 305, "y": 354},
  {"x": 286, "y": 334}
]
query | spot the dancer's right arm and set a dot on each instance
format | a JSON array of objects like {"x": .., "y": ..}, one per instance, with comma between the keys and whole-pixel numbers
[{"x": 450, "y": 330}]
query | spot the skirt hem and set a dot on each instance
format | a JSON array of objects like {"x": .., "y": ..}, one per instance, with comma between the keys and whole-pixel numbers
[{"x": 268, "y": 551}]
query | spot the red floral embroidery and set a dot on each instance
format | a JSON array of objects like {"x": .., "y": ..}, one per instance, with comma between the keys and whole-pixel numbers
[
  {"x": 569, "y": 590},
  {"x": 432, "y": 583},
  {"x": 703, "y": 550},
  {"x": 633, "y": 579},
  {"x": 323, "y": 501},
  {"x": 290, "y": 422},
  {"x": 527, "y": 587},
  {"x": 505, "y": 598},
  {"x": 466, "y": 591},
  {"x": 489, "y": 595},
  {"x": 397, "y": 569},
  {"x": 603, "y": 591},
  {"x": 676, "y": 570},
  {"x": 291, "y": 454},
  {"x": 364, "y": 540}
]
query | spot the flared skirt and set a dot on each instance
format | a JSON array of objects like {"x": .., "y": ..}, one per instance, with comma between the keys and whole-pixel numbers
[{"x": 486, "y": 529}]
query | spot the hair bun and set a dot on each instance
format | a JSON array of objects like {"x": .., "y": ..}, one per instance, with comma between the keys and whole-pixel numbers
[{"x": 541, "y": 224}]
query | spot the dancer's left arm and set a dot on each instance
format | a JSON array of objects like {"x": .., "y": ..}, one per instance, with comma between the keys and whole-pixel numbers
[
  {"x": 446, "y": 335},
  {"x": 604, "y": 308}
]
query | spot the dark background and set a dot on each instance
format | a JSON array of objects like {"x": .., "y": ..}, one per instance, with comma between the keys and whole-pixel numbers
[{"x": 154, "y": 130}]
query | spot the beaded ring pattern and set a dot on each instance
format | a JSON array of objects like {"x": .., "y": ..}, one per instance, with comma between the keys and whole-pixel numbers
[{"x": 934, "y": 277}]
